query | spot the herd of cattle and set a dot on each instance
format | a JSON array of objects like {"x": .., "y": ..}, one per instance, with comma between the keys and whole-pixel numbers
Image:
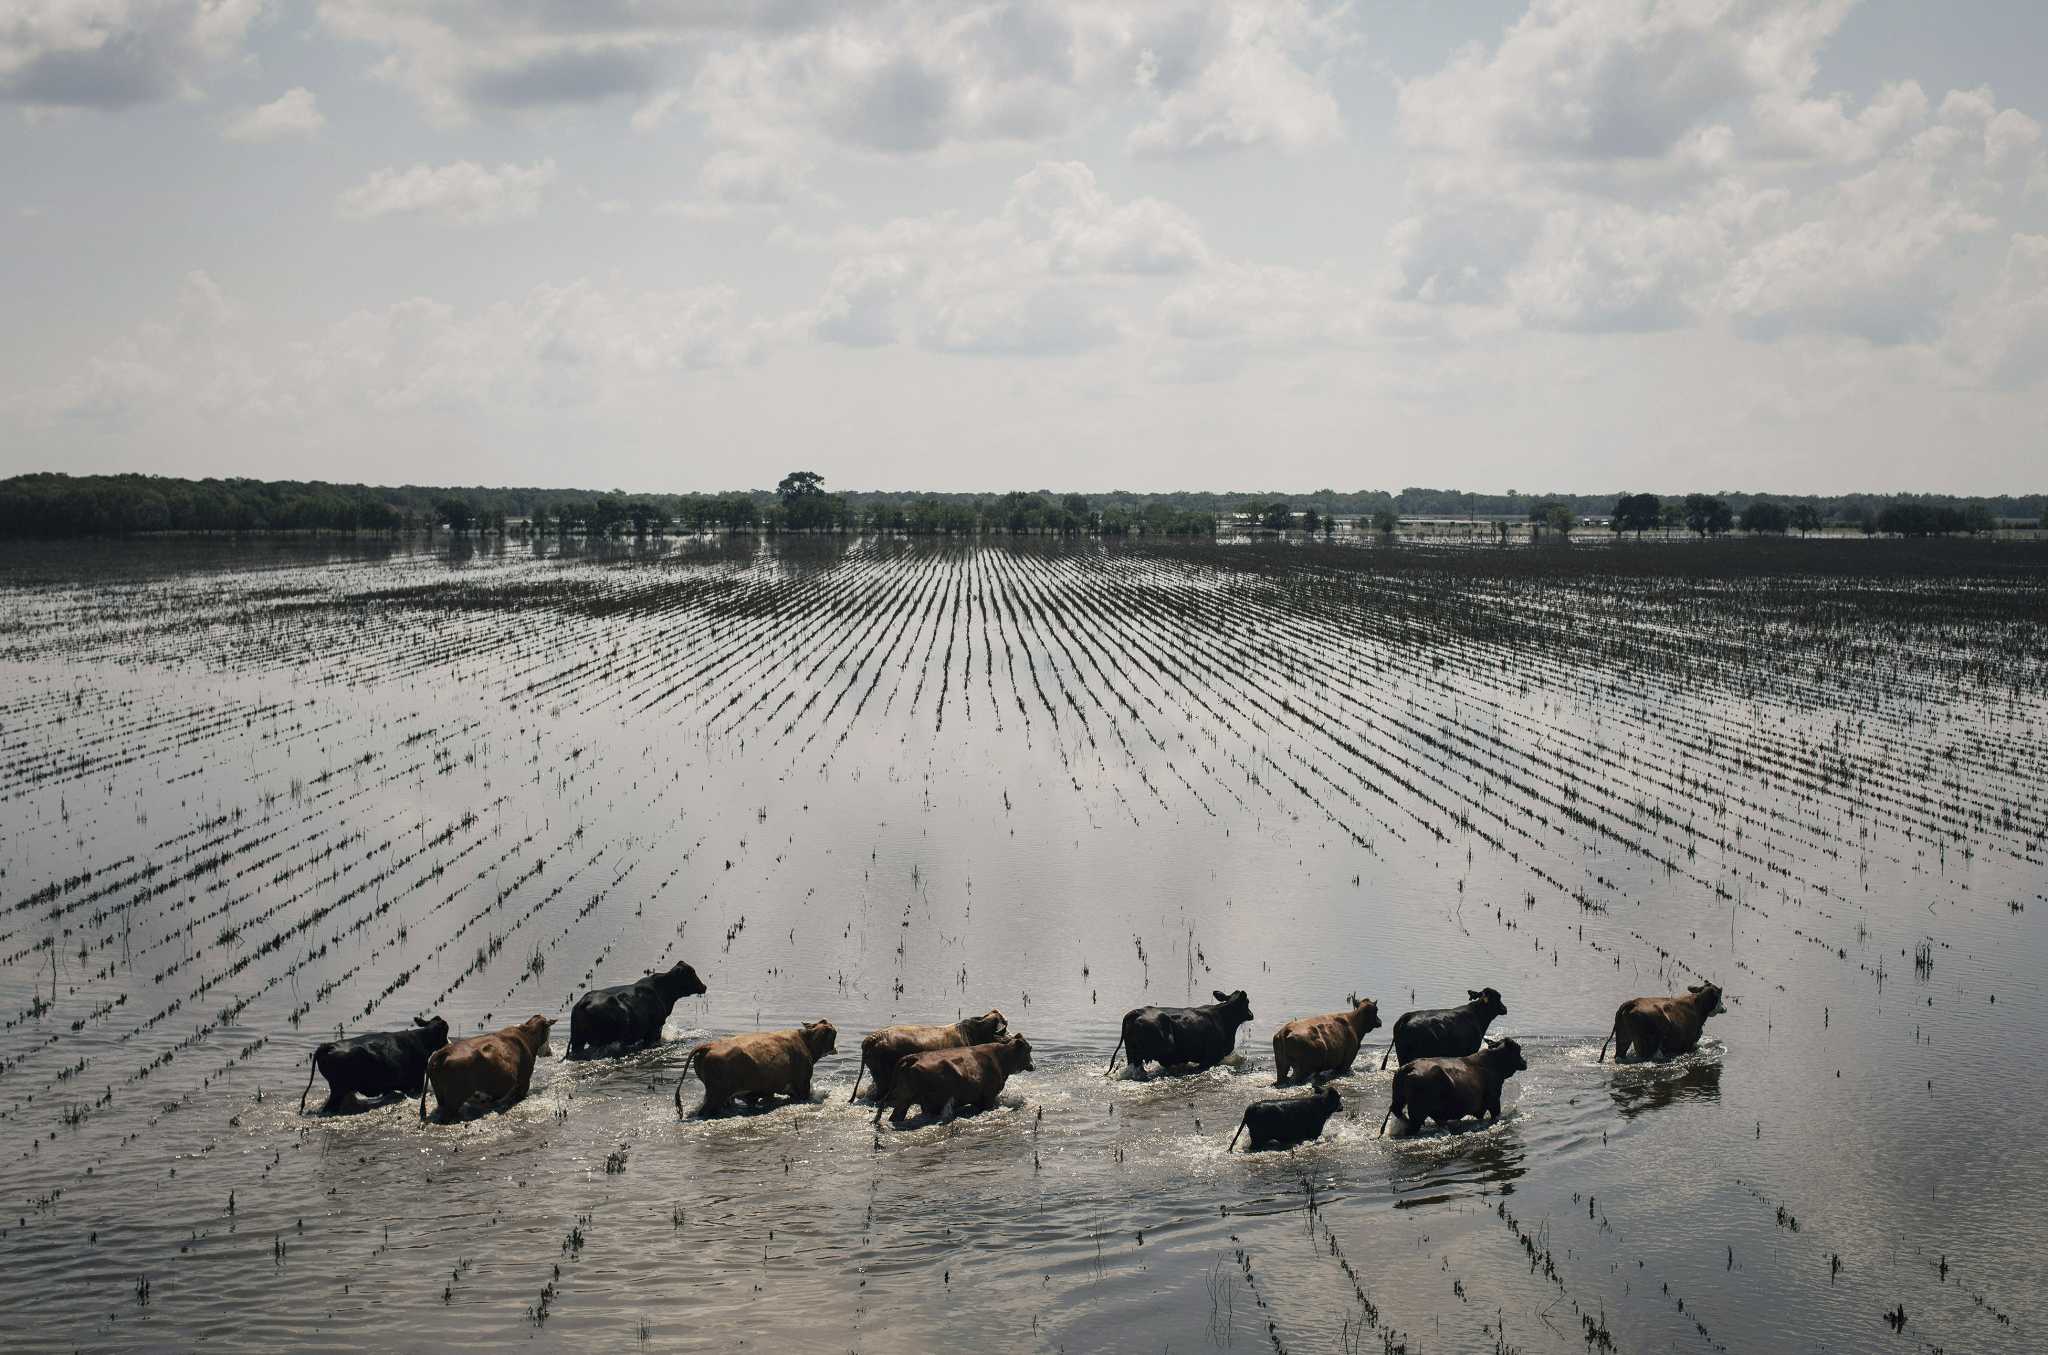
[{"x": 1448, "y": 1068}]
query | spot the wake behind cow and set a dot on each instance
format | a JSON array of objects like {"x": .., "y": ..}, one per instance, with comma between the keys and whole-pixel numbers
[
  {"x": 1189, "y": 1038},
  {"x": 758, "y": 1067},
  {"x": 942, "y": 1082},
  {"x": 883, "y": 1049},
  {"x": 1445, "y": 1032},
  {"x": 1322, "y": 1044},
  {"x": 1284, "y": 1121},
  {"x": 1445, "y": 1090},
  {"x": 380, "y": 1064},
  {"x": 484, "y": 1073},
  {"x": 629, "y": 1016},
  {"x": 1660, "y": 1027}
]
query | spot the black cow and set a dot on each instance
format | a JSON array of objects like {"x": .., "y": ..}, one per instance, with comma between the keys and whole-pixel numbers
[
  {"x": 1284, "y": 1121},
  {"x": 1192, "y": 1037},
  {"x": 381, "y": 1064},
  {"x": 1450, "y": 1089},
  {"x": 1445, "y": 1032},
  {"x": 626, "y": 1017}
]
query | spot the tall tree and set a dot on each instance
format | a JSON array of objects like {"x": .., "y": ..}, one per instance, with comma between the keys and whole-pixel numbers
[
  {"x": 1707, "y": 515},
  {"x": 799, "y": 484},
  {"x": 1763, "y": 515},
  {"x": 1636, "y": 513}
]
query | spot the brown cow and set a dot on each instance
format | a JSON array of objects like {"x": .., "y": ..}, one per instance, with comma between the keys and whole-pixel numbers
[
  {"x": 1659, "y": 1027},
  {"x": 945, "y": 1080},
  {"x": 882, "y": 1050},
  {"x": 1322, "y": 1044},
  {"x": 770, "y": 1063},
  {"x": 1450, "y": 1089},
  {"x": 484, "y": 1073}
]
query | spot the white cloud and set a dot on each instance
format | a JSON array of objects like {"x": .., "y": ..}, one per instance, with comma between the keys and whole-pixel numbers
[
  {"x": 1059, "y": 207},
  {"x": 888, "y": 77},
  {"x": 1040, "y": 277},
  {"x": 919, "y": 76},
  {"x": 1614, "y": 165},
  {"x": 1617, "y": 79},
  {"x": 2003, "y": 337},
  {"x": 1259, "y": 78},
  {"x": 461, "y": 57},
  {"x": 458, "y": 194},
  {"x": 575, "y": 344},
  {"x": 766, "y": 178},
  {"x": 112, "y": 54},
  {"x": 294, "y": 113}
]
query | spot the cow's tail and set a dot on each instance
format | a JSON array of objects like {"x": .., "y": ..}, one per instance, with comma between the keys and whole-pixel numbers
[
  {"x": 310, "y": 1074},
  {"x": 1384, "y": 1119},
  {"x": 434, "y": 1060},
  {"x": 1242, "y": 1120},
  {"x": 1121, "y": 1036},
  {"x": 1383, "y": 1055},
  {"x": 690, "y": 1060},
  {"x": 855, "y": 1094},
  {"x": 1603, "y": 1047}
]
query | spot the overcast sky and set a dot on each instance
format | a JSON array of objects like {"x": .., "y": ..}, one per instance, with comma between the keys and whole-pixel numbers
[{"x": 1792, "y": 245}]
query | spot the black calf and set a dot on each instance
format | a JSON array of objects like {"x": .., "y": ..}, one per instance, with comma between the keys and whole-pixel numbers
[{"x": 1283, "y": 1122}]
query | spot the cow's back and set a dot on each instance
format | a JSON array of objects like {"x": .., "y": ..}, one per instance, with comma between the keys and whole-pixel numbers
[
  {"x": 1327, "y": 1039},
  {"x": 761, "y": 1062},
  {"x": 883, "y": 1048},
  {"x": 970, "y": 1072}
]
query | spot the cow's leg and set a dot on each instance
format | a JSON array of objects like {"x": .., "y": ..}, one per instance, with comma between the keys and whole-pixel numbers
[
  {"x": 900, "y": 1111},
  {"x": 946, "y": 1111}
]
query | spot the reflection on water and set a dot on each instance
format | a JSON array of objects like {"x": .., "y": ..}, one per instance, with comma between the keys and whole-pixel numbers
[
  {"x": 1648, "y": 1086},
  {"x": 276, "y": 789}
]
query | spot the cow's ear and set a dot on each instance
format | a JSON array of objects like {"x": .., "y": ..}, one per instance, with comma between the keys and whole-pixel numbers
[
  {"x": 1219, "y": 995},
  {"x": 1474, "y": 993},
  {"x": 1695, "y": 988}
]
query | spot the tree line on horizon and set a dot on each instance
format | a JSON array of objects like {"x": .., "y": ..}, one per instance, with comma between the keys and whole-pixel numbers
[{"x": 54, "y": 504}]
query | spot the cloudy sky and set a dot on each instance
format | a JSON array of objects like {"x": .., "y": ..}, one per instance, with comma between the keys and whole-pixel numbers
[{"x": 1794, "y": 245}]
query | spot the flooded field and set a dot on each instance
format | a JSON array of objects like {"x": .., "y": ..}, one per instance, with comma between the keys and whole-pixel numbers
[{"x": 252, "y": 795}]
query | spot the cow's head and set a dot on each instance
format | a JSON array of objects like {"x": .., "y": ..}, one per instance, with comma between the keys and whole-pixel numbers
[
  {"x": 1488, "y": 1000},
  {"x": 534, "y": 1030},
  {"x": 985, "y": 1029},
  {"x": 1365, "y": 1014},
  {"x": 683, "y": 981},
  {"x": 821, "y": 1038},
  {"x": 433, "y": 1030},
  {"x": 1508, "y": 1054},
  {"x": 1708, "y": 996},
  {"x": 1327, "y": 1094},
  {"x": 1235, "y": 1008},
  {"x": 1015, "y": 1053}
]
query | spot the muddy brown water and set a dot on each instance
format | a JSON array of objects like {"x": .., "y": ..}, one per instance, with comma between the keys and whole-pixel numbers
[{"x": 255, "y": 793}]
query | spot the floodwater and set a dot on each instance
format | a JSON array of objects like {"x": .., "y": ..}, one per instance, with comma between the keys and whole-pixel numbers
[{"x": 254, "y": 793}]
